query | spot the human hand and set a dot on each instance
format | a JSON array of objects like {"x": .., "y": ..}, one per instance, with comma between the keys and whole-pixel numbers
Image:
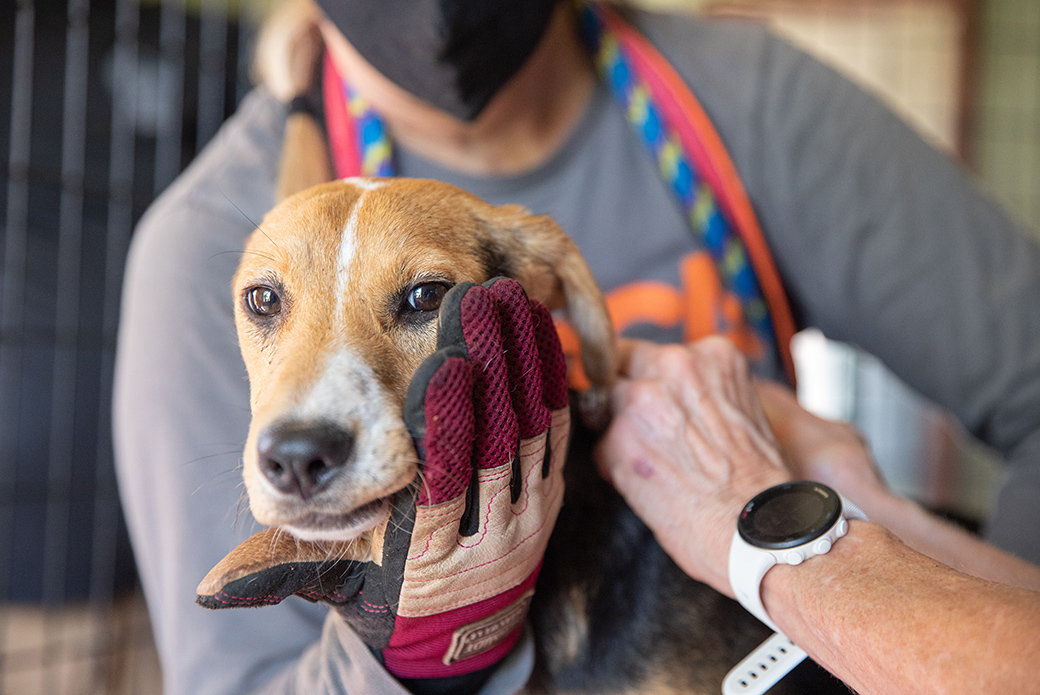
[
  {"x": 688, "y": 447},
  {"x": 832, "y": 453},
  {"x": 452, "y": 571}
]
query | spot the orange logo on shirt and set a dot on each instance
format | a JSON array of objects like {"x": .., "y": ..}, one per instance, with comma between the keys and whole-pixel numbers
[{"x": 701, "y": 307}]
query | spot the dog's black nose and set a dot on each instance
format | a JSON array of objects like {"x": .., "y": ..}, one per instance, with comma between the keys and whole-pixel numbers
[{"x": 303, "y": 458}]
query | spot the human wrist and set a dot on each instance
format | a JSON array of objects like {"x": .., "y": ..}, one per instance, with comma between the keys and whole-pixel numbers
[
  {"x": 841, "y": 604},
  {"x": 792, "y": 594}
]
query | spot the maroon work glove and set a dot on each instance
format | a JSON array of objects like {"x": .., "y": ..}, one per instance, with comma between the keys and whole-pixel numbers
[{"x": 454, "y": 567}]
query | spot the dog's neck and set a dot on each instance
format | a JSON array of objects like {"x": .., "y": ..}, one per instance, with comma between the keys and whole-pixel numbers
[{"x": 522, "y": 126}]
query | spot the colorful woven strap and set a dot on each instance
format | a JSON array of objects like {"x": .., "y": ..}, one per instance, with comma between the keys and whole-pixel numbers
[
  {"x": 676, "y": 132},
  {"x": 695, "y": 165}
]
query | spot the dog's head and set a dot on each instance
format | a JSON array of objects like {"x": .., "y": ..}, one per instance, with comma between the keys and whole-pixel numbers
[{"x": 336, "y": 305}]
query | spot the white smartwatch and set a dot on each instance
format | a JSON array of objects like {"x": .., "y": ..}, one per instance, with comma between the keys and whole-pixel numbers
[{"x": 784, "y": 525}]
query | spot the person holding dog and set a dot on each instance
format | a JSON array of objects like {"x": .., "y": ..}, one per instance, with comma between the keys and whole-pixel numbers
[{"x": 874, "y": 237}]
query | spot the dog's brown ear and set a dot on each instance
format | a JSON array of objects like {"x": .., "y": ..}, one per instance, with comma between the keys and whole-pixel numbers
[
  {"x": 287, "y": 63},
  {"x": 535, "y": 251}
]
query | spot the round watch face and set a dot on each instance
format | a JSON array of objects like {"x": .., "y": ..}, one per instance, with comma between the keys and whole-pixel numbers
[{"x": 789, "y": 515}]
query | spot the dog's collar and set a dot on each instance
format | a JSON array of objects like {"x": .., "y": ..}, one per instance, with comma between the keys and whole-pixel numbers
[{"x": 677, "y": 134}]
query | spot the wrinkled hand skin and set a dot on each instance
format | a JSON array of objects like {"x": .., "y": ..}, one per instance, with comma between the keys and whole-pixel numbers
[{"x": 689, "y": 446}]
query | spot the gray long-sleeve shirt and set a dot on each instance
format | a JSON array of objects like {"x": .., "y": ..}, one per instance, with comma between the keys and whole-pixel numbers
[{"x": 880, "y": 241}]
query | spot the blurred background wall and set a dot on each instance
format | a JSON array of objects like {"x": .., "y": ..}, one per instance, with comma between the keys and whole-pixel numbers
[{"x": 103, "y": 102}]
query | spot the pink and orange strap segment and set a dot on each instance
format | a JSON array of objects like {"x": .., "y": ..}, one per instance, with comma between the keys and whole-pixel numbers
[{"x": 338, "y": 122}]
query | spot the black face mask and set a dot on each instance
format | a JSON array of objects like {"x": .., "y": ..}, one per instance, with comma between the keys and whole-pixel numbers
[{"x": 454, "y": 54}]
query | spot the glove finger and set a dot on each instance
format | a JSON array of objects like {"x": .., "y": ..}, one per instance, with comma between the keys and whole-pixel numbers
[
  {"x": 554, "y": 384},
  {"x": 495, "y": 426},
  {"x": 438, "y": 412},
  {"x": 271, "y": 565},
  {"x": 521, "y": 349},
  {"x": 553, "y": 362}
]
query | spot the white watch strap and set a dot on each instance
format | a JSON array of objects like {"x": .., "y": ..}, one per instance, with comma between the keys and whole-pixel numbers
[
  {"x": 764, "y": 667},
  {"x": 851, "y": 511},
  {"x": 750, "y": 564}
]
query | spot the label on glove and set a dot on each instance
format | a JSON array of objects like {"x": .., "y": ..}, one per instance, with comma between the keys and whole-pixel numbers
[{"x": 477, "y": 637}]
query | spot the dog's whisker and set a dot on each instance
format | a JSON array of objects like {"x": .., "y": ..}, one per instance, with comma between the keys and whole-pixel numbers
[
  {"x": 243, "y": 499},
  {"x": 341, "y": 551},
  {"x": 449, "y": 475},
  {"x": 428, "y": 212},
  {"x": 333, "y": 554},
  {"x": 411, "y": 512},
  {"x": 244, "y": 252},
  {"x": 422, "y": 484},
  {"x": 253, "y": 252},
  {"x": 276, "y": 538},
  {"x": 230, "y": 452},
  {"x": 216, "y": 476},
  {"x": 396, "y": 526},
  {"x": 250, "y": 219},
  {"x": 218, "y": 254}
]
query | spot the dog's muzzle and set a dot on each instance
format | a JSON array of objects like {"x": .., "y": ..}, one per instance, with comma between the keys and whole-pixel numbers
[{"x": 302, "y": 459}]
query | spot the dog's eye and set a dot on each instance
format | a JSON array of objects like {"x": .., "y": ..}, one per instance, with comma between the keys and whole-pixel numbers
[
  {"x": 263, "y": 301},
  {"x": 427, "y": 296}
]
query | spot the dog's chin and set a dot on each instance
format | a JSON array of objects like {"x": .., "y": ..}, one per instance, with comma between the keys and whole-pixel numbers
[{"x": 340, "y": 527}]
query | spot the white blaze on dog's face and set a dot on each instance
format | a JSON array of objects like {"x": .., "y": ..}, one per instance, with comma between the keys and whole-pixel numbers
[{"x": 336, "y": 305}]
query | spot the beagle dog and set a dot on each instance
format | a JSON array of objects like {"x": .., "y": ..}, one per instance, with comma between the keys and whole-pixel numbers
[{"x": 337, "y": 298}]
